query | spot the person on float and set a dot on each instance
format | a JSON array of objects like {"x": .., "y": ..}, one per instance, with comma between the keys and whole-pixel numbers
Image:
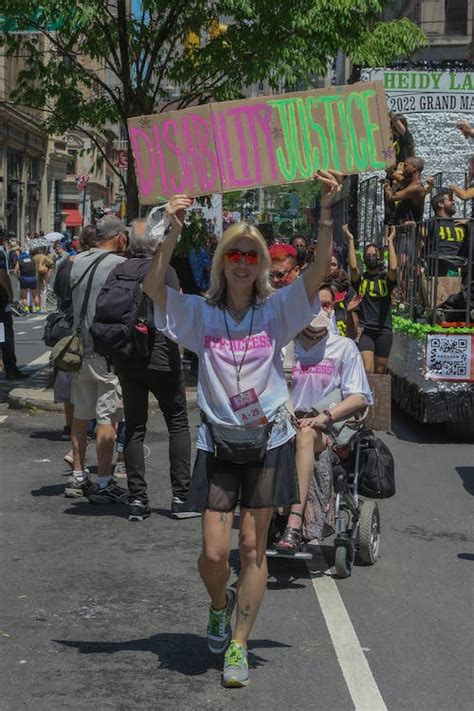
[
  {"x": 375, "y": 285},
  {"x": 323, "y": 361},
  {"x": 446, "y": 237},
  {"x": 346, "y": 301},
  {"x": 238, "y": 331},
  {"x": 466, "y": 193}
]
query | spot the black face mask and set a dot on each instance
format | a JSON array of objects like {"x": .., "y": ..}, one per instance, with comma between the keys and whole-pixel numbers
[
  {"x": 301, "y": 254},
  {"x": 371, "y": 261},
  {"x": 450, "y": 210}
]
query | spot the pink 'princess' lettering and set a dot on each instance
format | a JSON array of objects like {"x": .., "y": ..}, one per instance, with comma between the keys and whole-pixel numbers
[
  {"x": 238, "y": 345},
  {"x": 323, "y": 368}
]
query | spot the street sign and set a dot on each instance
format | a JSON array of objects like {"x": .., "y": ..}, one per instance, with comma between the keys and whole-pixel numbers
[
  {"x": 81, "y": 181},
  {"x": 18, "y": 25}
]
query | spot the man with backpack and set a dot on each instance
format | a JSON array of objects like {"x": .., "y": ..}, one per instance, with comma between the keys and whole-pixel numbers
[
  {"x": 145, "y": 361},
  {"x": 95, "y": 387}
]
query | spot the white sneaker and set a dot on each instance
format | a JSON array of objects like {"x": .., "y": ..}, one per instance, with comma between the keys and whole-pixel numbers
[{"x": 120, "y": 470}]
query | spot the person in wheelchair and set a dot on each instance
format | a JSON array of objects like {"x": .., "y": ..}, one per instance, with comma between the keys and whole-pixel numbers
[{"x": 326, "y": 368}]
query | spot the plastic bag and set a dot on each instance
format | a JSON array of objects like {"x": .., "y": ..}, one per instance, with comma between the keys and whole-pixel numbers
[{"x": 157, "y": 224}]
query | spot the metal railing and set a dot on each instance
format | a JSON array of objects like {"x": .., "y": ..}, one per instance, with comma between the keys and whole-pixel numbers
[
  {"x": 434, "y": 287},
  {"x": 370, "y": 212}
]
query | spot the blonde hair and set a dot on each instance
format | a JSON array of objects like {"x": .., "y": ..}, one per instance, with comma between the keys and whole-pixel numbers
[{"x": 262, "y": 286}]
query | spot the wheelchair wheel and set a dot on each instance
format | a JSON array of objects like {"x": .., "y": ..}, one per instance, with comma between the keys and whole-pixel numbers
[
  {"x": 369, "y": 532},
  {"x": 344, "y": 562}
]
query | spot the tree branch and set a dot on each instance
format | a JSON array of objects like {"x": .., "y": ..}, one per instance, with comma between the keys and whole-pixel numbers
[
  {"x": 164, "y": 64},
  {"x": 91, "y": 75},
  {"x": 111, "y": 45},
  {"x": 104, "y": 155},
  {"x": 123, "y": 48},
  {"x": 160, "y": 38},
  {"x": 88, "y": 133}
]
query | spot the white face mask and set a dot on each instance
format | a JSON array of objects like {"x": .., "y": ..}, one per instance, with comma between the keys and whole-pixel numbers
[
  {"x": 321, "y": 323},
  {"x": 322, "y": 319}
]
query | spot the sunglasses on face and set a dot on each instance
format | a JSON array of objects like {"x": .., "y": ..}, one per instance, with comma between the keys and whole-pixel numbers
[
  {"x": 326, "y": 304},
  {"x": 281, "y": 274},
  {"x": 234, "y": 256}
]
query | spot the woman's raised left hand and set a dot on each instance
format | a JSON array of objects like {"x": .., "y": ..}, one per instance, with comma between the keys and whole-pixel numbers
[{"x": 176, "y": 209}]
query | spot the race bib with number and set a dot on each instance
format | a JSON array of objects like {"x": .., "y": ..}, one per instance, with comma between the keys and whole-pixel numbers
[{"x": 247, "y": 408}]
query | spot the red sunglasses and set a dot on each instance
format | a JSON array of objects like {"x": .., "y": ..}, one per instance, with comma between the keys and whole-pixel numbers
[{"x": 233, "y": 256}]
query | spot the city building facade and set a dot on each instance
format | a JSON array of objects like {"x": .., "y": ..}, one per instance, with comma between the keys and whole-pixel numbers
[{"x": 39, "y": 190}]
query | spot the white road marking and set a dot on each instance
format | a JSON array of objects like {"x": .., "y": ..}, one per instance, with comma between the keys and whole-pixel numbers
[
  {"x": 358, "y": 676},
  {"x": 20, "y": 333},
  {"x": 35, "y": 328},
  {"x": 3, "y": 418},
  {"x": 43, "y": 359},
  {"x": 39, "y": 317}
]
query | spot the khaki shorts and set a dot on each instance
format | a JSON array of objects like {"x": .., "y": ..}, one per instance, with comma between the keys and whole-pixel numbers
[{"x": 96, "y": 392}]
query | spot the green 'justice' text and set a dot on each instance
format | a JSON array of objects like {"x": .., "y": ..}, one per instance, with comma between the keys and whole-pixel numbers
[{"x": 343, "y": 140}]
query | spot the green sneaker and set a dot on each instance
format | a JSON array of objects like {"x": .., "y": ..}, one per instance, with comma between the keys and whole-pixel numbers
[
  {"x": 219, "y": 629},
  {"x": 236, "y": 667}
]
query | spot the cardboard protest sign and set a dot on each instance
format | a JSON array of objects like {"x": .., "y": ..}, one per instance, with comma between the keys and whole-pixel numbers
[{"x": 237, "y": 145}]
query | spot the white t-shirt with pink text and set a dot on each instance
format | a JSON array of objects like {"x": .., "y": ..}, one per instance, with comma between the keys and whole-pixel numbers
[
  {"x": 334, "y": 362},
  {"x": 200, "y": 327}
]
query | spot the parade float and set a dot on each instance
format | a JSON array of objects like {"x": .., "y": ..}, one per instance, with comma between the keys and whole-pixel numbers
[
  {"x": 432, "y": 358},
  {"x": 432, "y": 370}
]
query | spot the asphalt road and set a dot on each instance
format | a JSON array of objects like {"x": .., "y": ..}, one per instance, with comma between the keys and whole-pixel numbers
[
  {"x": 99, "y": 612},
  {"x": 28, "y": 334}
]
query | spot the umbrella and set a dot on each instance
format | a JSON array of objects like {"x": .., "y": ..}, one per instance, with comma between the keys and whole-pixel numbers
[{"x": 53, "y": 237}]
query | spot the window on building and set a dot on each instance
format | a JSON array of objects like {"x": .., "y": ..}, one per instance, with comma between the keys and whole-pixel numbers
[
  {"x": 33, "y": 170},
  {"x": 14, "y": 164},
  {"x": 57, "y": 205},
  {"x": 456, "y": 17},
  {"x": 71, "y": 163}
]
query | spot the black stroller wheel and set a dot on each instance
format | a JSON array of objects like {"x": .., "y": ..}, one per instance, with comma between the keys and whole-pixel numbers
[
  {"x": 343, "y": 562},
  {"x": 369, "y": 532}
]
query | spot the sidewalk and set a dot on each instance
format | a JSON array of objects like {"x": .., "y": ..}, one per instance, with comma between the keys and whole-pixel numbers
[{"x": 37, "y": 391}]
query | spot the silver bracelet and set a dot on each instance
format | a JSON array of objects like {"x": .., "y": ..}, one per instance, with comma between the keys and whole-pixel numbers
[{"x": 328, "y": 223}]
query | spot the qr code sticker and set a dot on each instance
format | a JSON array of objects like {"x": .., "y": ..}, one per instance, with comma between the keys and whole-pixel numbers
[{"x": 449, "y": 357}]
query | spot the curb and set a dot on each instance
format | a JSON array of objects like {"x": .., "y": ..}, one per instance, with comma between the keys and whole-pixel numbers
[
  {"x": 43, "y": 397},
  {"x": 26, "y": 398}
]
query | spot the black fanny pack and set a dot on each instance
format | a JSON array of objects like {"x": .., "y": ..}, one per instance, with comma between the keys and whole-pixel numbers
[{"x": 239, "y": 445}]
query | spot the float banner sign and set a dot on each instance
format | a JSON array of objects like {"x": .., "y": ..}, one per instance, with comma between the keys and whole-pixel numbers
[
  {"x": 414, "y": 91},
  {"x": 271, "y": 140},
  {"x": 450, "y": 357}
]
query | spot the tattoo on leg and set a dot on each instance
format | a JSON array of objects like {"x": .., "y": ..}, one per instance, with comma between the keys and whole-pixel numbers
[
  {"x": 223, "y": 517},
  {"x": 244, "y": 614}
]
